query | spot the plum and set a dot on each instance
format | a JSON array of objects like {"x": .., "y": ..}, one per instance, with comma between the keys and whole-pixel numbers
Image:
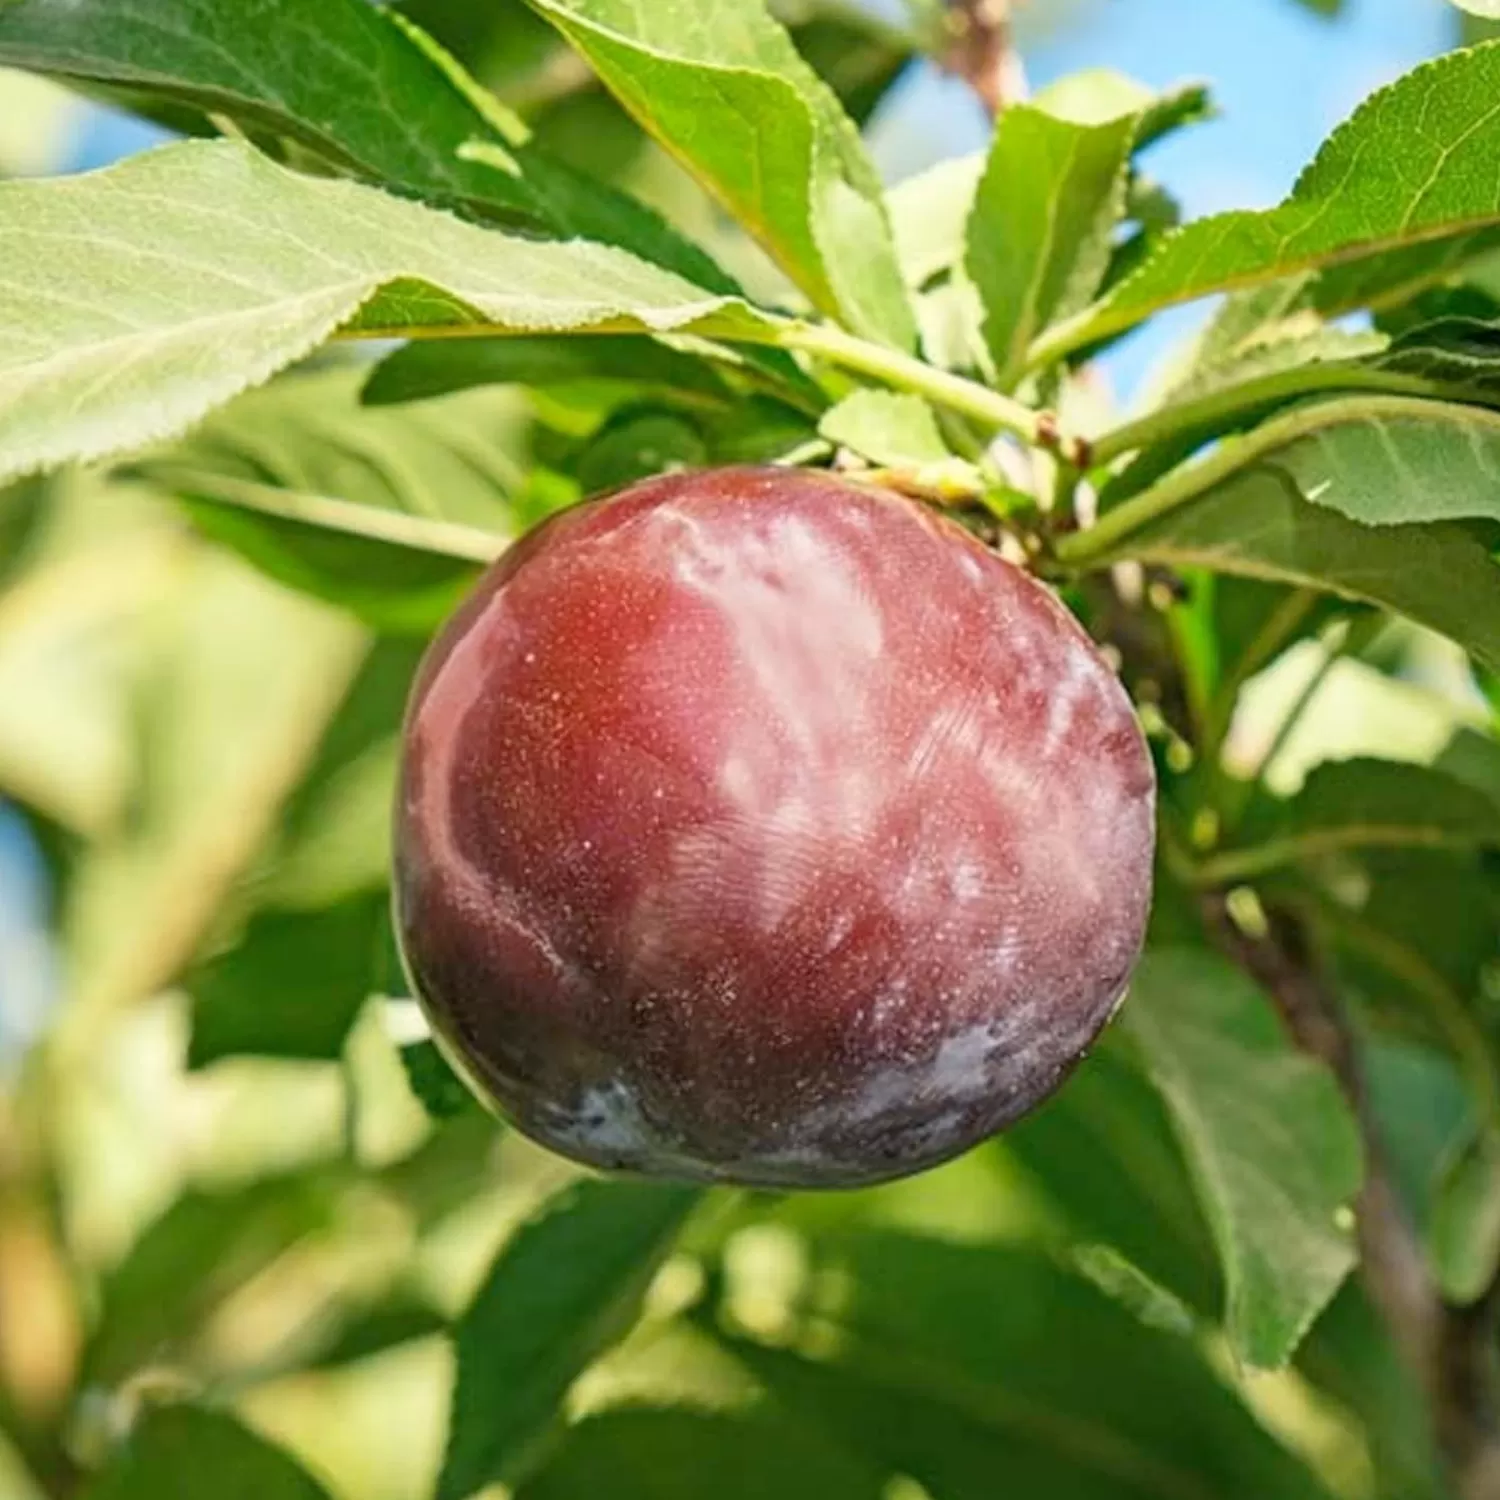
[{"x": 762, "y": 827}]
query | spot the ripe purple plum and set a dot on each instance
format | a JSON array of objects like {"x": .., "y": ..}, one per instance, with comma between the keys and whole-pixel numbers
[{"x": 758, "y": 826}]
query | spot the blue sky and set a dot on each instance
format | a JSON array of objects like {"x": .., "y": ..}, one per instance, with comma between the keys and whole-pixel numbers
[{"x": 1282, "y": 76}]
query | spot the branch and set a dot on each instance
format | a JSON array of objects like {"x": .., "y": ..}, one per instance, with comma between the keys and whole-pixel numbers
[
  {"x": 1451, "y": 1349},
  {"x": 981, "y": 52}
]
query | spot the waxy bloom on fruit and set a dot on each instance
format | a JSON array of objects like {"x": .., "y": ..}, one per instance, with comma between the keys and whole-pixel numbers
[{"x": 762, "y": 827}]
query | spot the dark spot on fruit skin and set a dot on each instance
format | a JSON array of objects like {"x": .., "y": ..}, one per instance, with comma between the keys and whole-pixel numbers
[{"x": 759, "y": 827}]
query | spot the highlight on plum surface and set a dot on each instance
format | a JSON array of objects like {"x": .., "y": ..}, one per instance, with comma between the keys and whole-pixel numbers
[{"x": 758, "y": 826}]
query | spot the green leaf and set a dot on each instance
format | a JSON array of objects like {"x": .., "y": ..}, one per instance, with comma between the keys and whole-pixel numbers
[
  {"x": 1465, "y": 1232},
  {"x": 1188, "y": 103},
  {"x": 1474, "y": 759},
  {"x": 1411, "y": 166},
  {"x": 1258, "y": 525},
  {"x": 1411, "y": 933},
  {"x": 649, "y": 1454},
  {"x": 372, "y": 102},
  {"x": 929, "y": 212},
  {"x": 721, "y": 86},
  {"x": 398, "y": 573},
  {"x": 1475, "y": 28},
  {"x": 87, "y": 558},
  {"x": 562, "y": 1290},
  {"x": 760, "y": 430},
  {"x": 1387, "y": 803},
  {"x": 333, "y": 841},
  {"x": 229, "y": 704},
  {"x": 1461, "y": 354},
  {"x": 291, "y": 987},
  {"x": 1040, "y": 234},
  {"x": 421, "y": 371},
  {"x": 381, "y": 101},
  {"x": 205, "y": 1246},
  {"x": 1454, "y": 358},
  {"x": 1103, "y": 1152},
  {"x": 387, "y": 513},
  {"x": 1423, "y": 1113},
  {"x": 1253, "y": 316},
  {"x": 502, "y": 44},
  {"x": 894, "y": 430},
  {"x": 690, "y": 373},
  {"x": 188, "y": 1453},
  {"x": 958, "y": 1363},
  {"x": 399, "y": 1319},
  {"x": 23, "y": 510},
  {"x": 207, "y": 268},
  {"x": 1361, "y": 804},
  {"x": 1384, "y": 460},
  {"x": 442, "y": 1093},
  {"x": 1094, "y": 96},
  {"x": 1270, "y": 1139},
  {"x": 637, "y": 444},
  {"x": 1251, "y": 369}
]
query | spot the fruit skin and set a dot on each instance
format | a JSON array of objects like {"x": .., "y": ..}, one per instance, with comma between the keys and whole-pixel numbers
[{"x": 759, "y": 827}]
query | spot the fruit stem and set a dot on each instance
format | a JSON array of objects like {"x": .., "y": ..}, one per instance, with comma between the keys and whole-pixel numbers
[{"x": 903, "y": 372}]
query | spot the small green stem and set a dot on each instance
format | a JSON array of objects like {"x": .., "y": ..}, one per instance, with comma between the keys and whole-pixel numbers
[
  {"x": 1099, "y": 544},
  {"x": 1065, "y": 494},
  {"x": 902, "y": 371},
  {"x": 1173, "y": 420}
]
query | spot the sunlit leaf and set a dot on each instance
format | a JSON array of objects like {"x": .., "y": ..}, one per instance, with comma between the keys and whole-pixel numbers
[
  {"x": 720, "y": 85},
  {"x": 890, "y": 429},
  {"x": 928, "y": 213},
  {"x": 562, "y": 1290},
  {"x": 207, "y": 268},
  {"x": 1410, "y": 166},
  {"x": 1040, "y": 234}
]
